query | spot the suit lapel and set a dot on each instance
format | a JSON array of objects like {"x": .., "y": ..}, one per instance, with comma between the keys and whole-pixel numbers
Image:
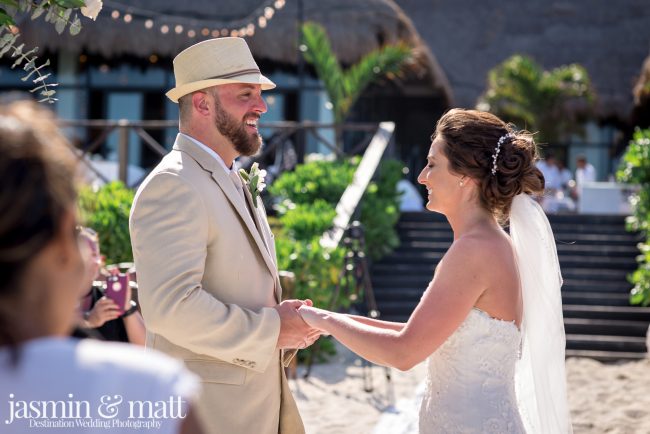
[
  {"x": 256, "y": 215},
  {"x": 266, "y": 236},
  {"x": 226, "y": 184}
]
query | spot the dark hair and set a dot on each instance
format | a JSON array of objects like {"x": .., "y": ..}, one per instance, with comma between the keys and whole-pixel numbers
[
  {"x": 37, "y": 177},
  {"x": 470, "y": 140}
]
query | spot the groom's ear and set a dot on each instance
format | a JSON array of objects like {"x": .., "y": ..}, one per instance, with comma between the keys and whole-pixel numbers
[{"x": 200, "y": 103}]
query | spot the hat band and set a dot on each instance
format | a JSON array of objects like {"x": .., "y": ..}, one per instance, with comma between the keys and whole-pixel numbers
[{"x": 235, "y": 74}]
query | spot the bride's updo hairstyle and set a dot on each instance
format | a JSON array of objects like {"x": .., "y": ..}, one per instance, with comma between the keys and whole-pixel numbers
[{"x": 471, "y": 139}]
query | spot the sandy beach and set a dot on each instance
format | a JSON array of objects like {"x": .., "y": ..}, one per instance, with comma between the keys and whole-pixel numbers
[
  {"x": 609, "y": 398},
  {"x": 333, "y": 401},
  {"x": 604, "y": 398}
]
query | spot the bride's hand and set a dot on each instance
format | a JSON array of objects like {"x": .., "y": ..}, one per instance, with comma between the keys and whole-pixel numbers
[{"x": 314, "y": 316}]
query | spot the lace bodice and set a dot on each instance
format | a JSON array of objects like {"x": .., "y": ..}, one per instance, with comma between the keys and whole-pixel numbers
[{"x": 471, "y": 379}]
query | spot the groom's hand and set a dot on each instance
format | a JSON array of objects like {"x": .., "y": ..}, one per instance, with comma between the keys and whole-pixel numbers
[{"x": 294, "y": 331}]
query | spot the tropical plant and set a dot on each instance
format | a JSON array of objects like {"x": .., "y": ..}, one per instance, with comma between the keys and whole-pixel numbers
[
  {"x": 61, "y": 13},
  {"x": 551, "y": 103},
  {"x": 320, "y": 184},
  {"x": 635, "y": 169},
  {"x": 106, "y": 210},
  {"x": 345, "y": 87},
  {"x": 305, "y": 203}
]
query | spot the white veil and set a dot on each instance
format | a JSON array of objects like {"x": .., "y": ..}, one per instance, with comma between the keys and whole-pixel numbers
[{"x": 541, "y": 377}]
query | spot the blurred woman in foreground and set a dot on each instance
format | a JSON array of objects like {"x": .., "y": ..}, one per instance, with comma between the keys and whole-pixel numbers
[{"x": 47, "y": 378}]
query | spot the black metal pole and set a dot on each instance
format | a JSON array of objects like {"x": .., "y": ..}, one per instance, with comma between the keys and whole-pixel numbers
[{"x": 300, "y": 136}]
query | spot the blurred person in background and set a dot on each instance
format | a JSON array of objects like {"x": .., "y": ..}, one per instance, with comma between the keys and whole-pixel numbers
[
  {"x": 585, "y": 172},
  {"x": 41, "y": 281},
  {"x": 565, "y": 175},
  {"x": 101, "y": 313},
  {"x": 551, "y": 172}
]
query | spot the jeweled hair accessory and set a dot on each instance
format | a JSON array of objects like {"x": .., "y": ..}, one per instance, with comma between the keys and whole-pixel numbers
[{"x": 501, "y": 141}]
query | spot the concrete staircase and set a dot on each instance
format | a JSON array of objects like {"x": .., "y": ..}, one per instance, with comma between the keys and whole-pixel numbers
[{"x": 596, "y": 254}]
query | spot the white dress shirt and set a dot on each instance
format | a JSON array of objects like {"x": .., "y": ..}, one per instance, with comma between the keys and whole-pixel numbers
[{"x": 213, "y": 154}]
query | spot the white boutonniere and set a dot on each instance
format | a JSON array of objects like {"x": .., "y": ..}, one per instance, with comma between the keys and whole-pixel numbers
[
  {"x": 92, "y": 8},
  {"x": 254, "y": 180}
]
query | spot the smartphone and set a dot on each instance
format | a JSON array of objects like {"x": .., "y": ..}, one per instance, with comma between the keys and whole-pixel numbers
[{"x": 116, "y": 285}]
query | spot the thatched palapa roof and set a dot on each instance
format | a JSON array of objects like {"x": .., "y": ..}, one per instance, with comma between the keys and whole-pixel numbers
[
  {"x": 355, "y": 28},
  {"x": 610, "y": 39}
]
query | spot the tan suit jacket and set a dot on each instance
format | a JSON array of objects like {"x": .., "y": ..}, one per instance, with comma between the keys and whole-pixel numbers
[{"x": 208, "y": 281}]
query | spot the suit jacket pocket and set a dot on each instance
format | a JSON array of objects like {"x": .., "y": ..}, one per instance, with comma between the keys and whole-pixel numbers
[{"x": 217, "y": 372}]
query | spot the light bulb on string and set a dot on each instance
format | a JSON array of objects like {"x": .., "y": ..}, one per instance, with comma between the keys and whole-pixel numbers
[{"x": 261, "y": 19}]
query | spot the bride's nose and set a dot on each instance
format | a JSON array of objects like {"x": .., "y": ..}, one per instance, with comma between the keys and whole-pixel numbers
[{"x": 421, "y": 178}]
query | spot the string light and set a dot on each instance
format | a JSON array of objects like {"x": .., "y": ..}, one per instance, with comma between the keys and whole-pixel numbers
[{"x": 246, "y": 26}]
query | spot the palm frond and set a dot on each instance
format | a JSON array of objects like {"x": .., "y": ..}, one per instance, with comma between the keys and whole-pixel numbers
[{"x": 345, "y": 87}]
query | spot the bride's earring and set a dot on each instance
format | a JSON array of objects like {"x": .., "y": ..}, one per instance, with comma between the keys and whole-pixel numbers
[{"x": 461, "y": 183}]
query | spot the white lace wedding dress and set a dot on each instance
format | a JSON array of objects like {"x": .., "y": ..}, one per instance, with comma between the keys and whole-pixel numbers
[{"x": 470, "y": 386}]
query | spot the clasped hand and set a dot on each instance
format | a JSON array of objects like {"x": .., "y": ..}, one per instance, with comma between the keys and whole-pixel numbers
[{"x": 295, "y": 332}]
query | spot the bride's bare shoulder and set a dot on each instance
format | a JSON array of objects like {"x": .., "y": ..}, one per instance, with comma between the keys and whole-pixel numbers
[{"x": 485, "y": 250}]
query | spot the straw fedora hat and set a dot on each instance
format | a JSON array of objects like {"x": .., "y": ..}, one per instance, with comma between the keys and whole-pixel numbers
[{"x": 213, "y": 62}]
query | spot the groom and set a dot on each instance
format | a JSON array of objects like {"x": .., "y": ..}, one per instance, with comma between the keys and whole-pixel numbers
[{"x": 205, "y": 255}]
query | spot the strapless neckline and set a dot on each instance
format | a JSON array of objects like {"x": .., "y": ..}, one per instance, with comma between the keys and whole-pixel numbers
[{"x": 487, "y": 316}]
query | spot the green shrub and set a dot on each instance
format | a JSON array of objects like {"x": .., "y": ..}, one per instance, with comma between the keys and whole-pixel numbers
[
  {"x": 304, "y": 222},
  {"x": 106, "y": 210},
  {"x": 635, "y": 169},
  {"x": 380, "y": 210},
  {"x": 326, "y": 181},
  {"x": 306, "y": 200}
]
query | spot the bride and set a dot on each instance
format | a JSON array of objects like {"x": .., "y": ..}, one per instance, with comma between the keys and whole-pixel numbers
[{"x": 490, "y": 322}]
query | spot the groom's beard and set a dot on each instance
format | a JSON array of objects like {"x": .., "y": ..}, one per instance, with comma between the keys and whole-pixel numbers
[{"x": 245, "y": 143}]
